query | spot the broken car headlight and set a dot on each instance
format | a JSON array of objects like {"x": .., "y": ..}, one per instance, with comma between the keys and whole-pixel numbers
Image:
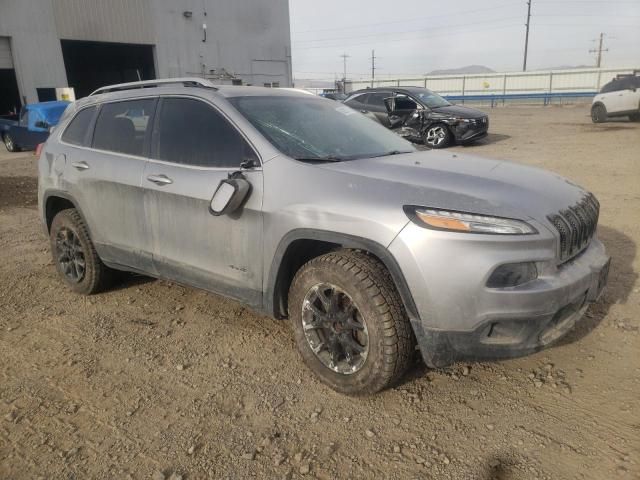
[{"x": 467, "y": 222}]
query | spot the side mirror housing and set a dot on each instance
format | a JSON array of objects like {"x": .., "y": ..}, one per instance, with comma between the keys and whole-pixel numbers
[
  {"x": 229, "y": 195},
  {"x": 41, "y": 124}
]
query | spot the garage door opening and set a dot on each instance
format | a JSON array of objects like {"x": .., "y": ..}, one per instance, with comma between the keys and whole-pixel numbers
[
  {"x": 9, "y": 94},
  {"x": 91, "y": 65}
]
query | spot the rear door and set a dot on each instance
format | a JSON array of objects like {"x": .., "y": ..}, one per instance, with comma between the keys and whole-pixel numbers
[
  {"x": 376, "y": 106},
  {"x": 195, "y": 147},
  {"x": 104, "y": 171}
]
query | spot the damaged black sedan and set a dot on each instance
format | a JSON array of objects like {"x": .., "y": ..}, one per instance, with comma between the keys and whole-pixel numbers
[{"x": 420, "y": 115}]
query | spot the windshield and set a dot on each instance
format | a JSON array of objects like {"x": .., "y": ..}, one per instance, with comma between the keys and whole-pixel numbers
[
  {"x": 318, "y": 129},
  {"x": 430, "y": 99}
]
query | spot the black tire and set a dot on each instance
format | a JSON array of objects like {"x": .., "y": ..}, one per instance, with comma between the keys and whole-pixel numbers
[
  {"x": 635, "y": 117},
  {"x": 368, "y": 286},
  {"x": 73, "y": 252},
  {"x": 598, "y": 113},
  {"x": 9, "y": 143},
  {"x": 438, "y": 135}
]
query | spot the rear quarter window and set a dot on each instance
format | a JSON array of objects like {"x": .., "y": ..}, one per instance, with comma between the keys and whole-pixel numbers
[{"x": 77, "y": 132}]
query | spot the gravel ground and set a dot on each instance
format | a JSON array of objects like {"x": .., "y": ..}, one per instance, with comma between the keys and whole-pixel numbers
[{"x": 154, "y": 380}]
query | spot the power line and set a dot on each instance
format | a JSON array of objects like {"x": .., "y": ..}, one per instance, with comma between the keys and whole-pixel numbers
[
  {"x": 421, "y": 30},
  {"x": 526, "y": 38},
  {"x": 404, "y": 21}
]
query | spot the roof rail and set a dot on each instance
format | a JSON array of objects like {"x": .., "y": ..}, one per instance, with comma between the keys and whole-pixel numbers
[{"x": 185, "y": 81}]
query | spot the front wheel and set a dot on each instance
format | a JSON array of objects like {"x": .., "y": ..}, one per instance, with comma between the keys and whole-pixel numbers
[
  {"x": 349, "y": 323},
  {"x": 635, "y": 117},
  {"x": 438, "y": 136},
  {"x": 9, "y": 143},
  {"x": 598, "y": 114}
]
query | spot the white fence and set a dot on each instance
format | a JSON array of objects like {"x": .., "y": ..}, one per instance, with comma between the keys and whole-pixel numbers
[{"x": 541, "y": 82}]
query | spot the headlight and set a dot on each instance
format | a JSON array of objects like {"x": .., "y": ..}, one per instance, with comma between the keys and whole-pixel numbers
[{"x": 467, "y": 222}]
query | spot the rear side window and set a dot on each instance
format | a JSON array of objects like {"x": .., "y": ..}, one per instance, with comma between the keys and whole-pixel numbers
[
  {"x": 77, "y": 131},
  {"x": 190, "y": 132},
  {"x": 357, "y": 101},
  {"x": 377, "y": 99},
  {"x": 122, "y": 126}
]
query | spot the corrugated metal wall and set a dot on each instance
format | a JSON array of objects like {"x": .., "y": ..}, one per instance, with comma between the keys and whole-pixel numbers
[
  {"x": 6, "y": 60},
  {"x": 559, "y": 81},
  {"x": 123, "y": 21}
]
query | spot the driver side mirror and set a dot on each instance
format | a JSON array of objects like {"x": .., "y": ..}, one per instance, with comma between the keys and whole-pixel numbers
[{"x": 229, "y": 195}]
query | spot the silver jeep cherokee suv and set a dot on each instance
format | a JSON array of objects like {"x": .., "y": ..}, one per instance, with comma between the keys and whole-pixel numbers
[{"x": 303, "y": 208}]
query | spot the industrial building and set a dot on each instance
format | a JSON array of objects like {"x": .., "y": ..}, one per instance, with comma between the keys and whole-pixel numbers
[{"x": 84, "y": 44}]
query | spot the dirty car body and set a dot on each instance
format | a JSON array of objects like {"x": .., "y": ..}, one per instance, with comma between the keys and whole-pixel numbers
[
  {"x": 489, "y": 258},
  {"x": 413, "y": 112}
]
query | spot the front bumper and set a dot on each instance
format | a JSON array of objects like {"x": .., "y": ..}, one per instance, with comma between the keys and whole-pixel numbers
[
  {"x": 470, "y": 132},
  {"x": 461, "y": 319}
]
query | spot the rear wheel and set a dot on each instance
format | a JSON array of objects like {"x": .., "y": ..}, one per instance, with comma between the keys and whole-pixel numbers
[
  {"x": 598, "y": 113},
  {"x": 635, "y": 117},
  {"x": 9, "y": 143},
  {"x": 349, "y": 322},
  {"x": 74, "y": 255},
  {"x": 438, "y": 136}
]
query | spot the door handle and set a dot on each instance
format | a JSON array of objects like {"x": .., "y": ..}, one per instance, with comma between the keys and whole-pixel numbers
[
  {"x": 364, "y": 111},
  {"x": 80, "y": 165},
  {"x": 160, "y": 179}
]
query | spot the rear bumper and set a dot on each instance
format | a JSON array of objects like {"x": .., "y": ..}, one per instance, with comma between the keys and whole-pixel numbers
[{"x": 461, "y": 319}]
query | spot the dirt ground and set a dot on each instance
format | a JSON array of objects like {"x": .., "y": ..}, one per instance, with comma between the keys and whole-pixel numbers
[{"x": 154, "y": 380}]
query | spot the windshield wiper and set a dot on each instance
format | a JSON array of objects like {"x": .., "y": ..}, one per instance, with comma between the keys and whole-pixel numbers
[
  {"x": 326, "y": 158},
  {"x": 392, "y": 152}
]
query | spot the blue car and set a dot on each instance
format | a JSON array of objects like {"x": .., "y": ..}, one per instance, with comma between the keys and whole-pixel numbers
[{"x": 32, "y": 126}]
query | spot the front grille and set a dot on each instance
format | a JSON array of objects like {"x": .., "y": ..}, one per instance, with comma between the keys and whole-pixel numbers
[{"x": 576, "y": 226}]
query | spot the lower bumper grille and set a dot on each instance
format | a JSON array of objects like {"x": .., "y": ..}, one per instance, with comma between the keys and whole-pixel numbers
[{"x": 576, "y": 226}]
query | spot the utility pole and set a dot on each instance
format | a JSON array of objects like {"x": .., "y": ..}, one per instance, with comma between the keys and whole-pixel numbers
[
  {"x": 373, "y": 66},
  {"x": 344, "y": 75},
  {"x": 599, "y": 50},
  {"x": 526, "y": 38}
]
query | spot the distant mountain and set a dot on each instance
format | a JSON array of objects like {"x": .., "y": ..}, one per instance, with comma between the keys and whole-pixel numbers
[{"x": 468, "y": 69}]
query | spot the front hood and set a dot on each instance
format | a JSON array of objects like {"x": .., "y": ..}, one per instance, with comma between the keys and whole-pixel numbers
[
  {"x": 463, "y": 182},
  {"x": 459, "y": 111}
]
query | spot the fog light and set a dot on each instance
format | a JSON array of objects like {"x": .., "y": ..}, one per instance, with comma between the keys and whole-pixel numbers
[{"x": 512, "y": 275}]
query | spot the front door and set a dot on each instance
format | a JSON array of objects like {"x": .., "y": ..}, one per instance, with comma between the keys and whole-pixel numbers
[{"x": 194, "y": 148}]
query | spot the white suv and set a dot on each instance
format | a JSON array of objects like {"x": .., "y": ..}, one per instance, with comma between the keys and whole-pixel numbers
[{"x": 618, "y": 98}]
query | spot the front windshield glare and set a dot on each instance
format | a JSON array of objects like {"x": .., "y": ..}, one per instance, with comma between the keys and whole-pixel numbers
[
  {"x": 318, "y": 129},
  {"x": 432, "y": 100}
]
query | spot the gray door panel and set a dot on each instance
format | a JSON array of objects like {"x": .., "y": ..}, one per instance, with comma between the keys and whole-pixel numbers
[{"x": 192, "y": 246}]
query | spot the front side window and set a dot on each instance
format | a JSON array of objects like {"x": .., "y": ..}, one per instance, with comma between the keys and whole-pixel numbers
[
  {"x": 192, "y": 132},
  {"x": 612, "y": 86},
  {"x": 122, "y": 126},
  {"x": 315, "y": 129},
  {"x": 76, "y": 131}
]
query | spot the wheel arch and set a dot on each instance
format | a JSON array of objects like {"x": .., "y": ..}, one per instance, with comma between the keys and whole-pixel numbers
[
  {"x": 54, "y": 201},
  {"x": 301, "y": 245}
]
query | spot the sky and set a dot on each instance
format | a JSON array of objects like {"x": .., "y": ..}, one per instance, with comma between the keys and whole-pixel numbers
[{"x": 413, "y": 37}]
